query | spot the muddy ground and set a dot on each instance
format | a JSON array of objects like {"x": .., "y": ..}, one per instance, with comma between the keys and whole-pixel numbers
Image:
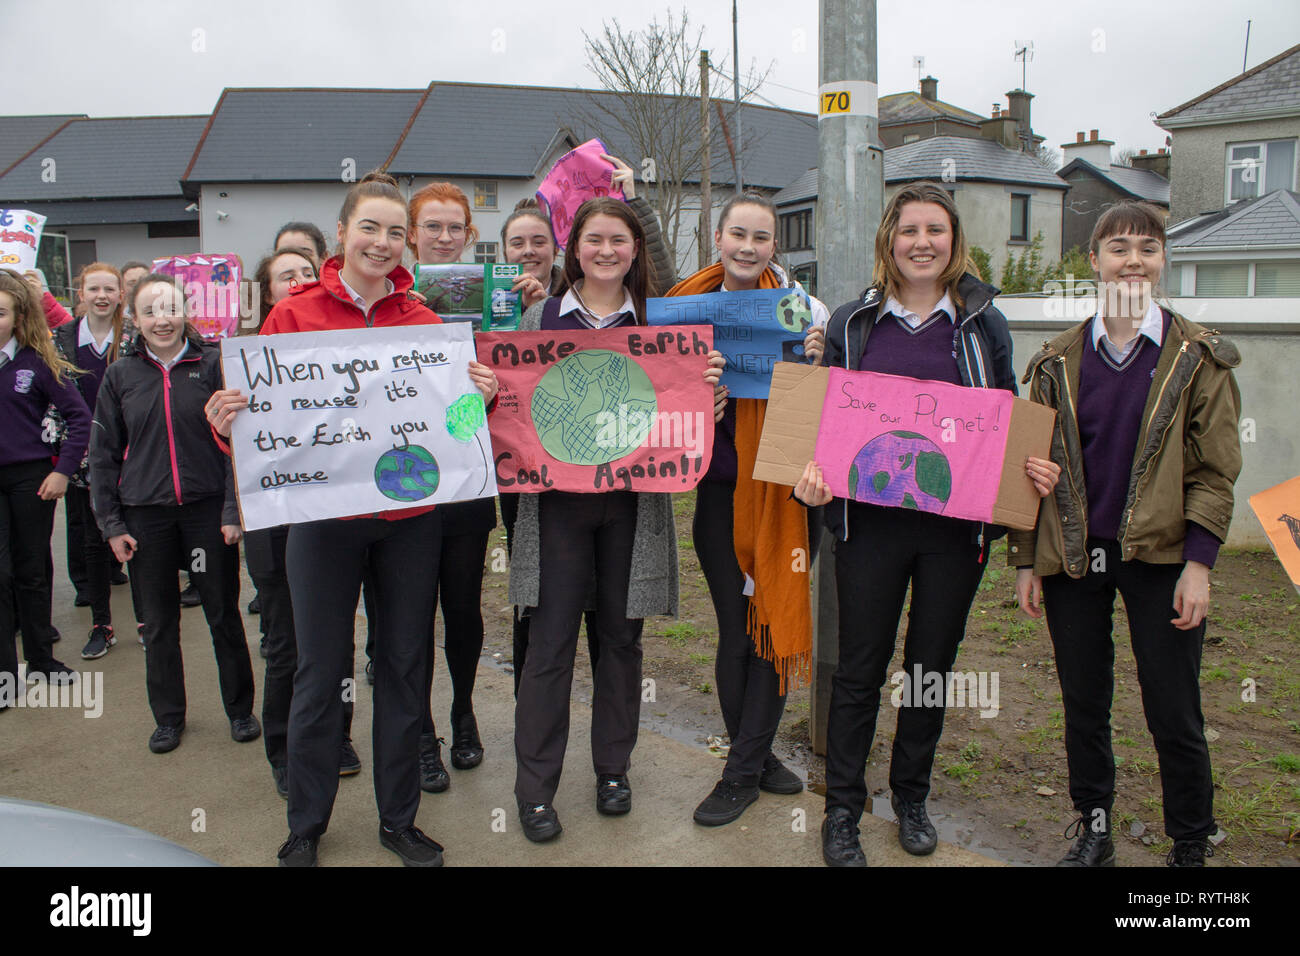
[{"x": 1000, "y": 785}]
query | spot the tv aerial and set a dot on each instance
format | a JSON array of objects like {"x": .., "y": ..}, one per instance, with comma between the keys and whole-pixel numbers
[{"x": 1024, "y": 53}]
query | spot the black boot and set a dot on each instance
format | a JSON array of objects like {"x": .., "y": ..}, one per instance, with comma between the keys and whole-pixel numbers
[
  {"x": 1189, "y": 853},
  {"x": 1092, "y": 845}
]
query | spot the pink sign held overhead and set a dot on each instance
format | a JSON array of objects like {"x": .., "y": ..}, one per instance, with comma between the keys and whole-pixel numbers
[
  {"x": 577, "y": 176},
  {"x": 211, "y": 286}
]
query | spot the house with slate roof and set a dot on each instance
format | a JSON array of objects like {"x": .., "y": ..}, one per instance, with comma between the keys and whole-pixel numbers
[
  {"x": 1237, "y": 141},
  {"x": 109, "y": 186},
  {"x": 1096, "y": 184},
  {"x": 1250, "y": 249}
]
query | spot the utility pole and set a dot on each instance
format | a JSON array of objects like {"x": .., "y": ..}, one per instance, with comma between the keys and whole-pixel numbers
[
  {"x": 706, "y": 177},
  {"x": 735, "y": 90},
  {"x": 850, "y": 197}
]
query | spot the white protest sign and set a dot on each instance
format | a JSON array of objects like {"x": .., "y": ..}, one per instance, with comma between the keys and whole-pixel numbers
[
  {"x": 356, "y": 421},
  {"x": 20, "y": 234}
]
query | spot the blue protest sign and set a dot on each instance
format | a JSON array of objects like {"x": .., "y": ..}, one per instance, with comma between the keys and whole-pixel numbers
[{"x": 753, "y": 329}]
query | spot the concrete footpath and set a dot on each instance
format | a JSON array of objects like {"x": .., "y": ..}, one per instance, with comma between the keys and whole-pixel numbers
[{"x": 216, "y": 797}]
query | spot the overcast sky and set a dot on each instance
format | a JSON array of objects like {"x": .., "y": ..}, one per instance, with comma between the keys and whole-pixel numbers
[{"x": 1105, "y": 65}]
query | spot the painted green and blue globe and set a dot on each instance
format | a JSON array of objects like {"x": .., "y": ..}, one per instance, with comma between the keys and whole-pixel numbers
[
  {"x": 901, "y": 469},
  {"x": 406, "y": 474},
  {"x": 794, "y": 313},
  {"x": 593, "y": 407}
]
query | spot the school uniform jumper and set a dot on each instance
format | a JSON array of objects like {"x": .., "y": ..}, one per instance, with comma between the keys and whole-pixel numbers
[{"x": 878, "y": 550}]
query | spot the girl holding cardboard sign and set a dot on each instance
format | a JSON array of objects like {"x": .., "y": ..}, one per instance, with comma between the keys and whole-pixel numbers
[
  {"x": 628, "y": 538},
  {"x": 925, "y": 316},
  {"x": 753, "y": 545},
  {"x": 1146, "y": 428}
]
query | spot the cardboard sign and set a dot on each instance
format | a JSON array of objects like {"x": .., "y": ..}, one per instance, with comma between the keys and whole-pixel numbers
[
  {"x": 211, "y": 285},
  {"x": 753, "y": 329},
  {"x": 905, "y": 442},
  {"x": 20, "y": 234},
  {"x": 473, "y": 292},
  {"x": 1278, "y": 510},
  {"x": 577, "y": 176},
  {"x": 356, "y": 421},
  {"x": 623, "y": 409}
]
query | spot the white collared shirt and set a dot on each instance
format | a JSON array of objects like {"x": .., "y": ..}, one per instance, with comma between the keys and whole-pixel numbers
[
  {"x": 357, "y": 298},
  {"x": 175, "y": 358},
  {"x": 572, "y": 302},
  {"x": 1153, "y": 327},
  {"x": 10, "y": 348},
  {"x": 86, "y": 338},
  {"x": 894, "y": 307}
]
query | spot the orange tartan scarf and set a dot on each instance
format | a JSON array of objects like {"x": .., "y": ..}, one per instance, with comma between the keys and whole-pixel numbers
[{"x": 770, "y": 532}]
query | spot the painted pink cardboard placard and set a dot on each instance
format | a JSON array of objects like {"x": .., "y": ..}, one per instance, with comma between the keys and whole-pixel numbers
[
  {"x": 906, "y": 442},
  {"x": 577, "y": 176},
  {"x": 211, "y": 285}
]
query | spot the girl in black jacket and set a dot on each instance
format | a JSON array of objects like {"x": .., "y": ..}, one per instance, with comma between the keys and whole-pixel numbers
[{"x": 173, "y": 495}]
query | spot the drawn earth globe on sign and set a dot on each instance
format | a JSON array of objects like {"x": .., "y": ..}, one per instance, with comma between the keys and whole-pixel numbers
[
  {"x": 406, "y": 474},
  {"x": 901, "y": 470},
  {"x": 794, "y": 313},
  {"x": 593, "y": 407}
]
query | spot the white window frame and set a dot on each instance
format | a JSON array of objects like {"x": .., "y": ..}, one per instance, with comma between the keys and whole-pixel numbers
[
  {"x": 486, "y": 252},
  {"x": 485, "y": 190},
  {"x": 1229, "y": 165}
]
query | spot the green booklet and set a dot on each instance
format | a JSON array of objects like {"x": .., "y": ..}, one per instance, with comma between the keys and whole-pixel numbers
[{"x": 477, "y": 292}]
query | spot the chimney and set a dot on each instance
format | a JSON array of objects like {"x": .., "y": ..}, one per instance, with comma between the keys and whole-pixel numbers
[
  {"x": 1002, "y": 128},
  {"x": 1018, "y": 107},
  {"x": 1157, "y": 162},
  {"x": 930, "y": 89},
  {"x": 1093, "y": 149}
]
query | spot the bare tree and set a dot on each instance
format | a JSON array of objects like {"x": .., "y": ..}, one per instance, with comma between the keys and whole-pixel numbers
[
  {"x": 651, "y": 79},
  {"x": 1047, "y": 157},
  {"x": 1125, "y": 157}
]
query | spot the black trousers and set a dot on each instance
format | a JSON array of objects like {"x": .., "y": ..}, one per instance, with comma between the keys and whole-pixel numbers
[
  {"x": 1080, "y": 618},
  {"x": 887, "y": 548},
  {"x": 326, "y": 561},
  {"x": 749, "y": 688},
  {"x": 26, "y": 523},
  {"x": 264, "y": 551},
  {"x": 578, "y": 532},
  {"x": 510, "y": 511},
  {"x": 163, "y": 534},
  {"x": 459, "y": 585},
  {"x": 96, "y": 557}
]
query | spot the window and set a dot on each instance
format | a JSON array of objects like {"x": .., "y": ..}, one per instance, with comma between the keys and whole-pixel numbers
[
  {"x": 1019, "y": 217},
  {"x": 1258, "y": 168},
  {"x": 911, "y": 137},
  {"x": 173, "y": 230},
  {"x": 485, "y": 195},
  {"x": 1278, "y": 277},
  {"x": 485, "y": 252},
  {"x": 1222, "y": 278},
  {"x": 797, "y": 230},
  {"x": 1173, "y": 279},
  {"x": 806, "y": 276}
]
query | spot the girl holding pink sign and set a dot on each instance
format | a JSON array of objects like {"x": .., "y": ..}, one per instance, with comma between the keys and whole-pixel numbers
[{"x": 925, "y": 316}]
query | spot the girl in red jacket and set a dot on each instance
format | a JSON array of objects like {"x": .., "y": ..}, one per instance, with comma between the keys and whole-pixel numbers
[{"x": 365, "y": 286}]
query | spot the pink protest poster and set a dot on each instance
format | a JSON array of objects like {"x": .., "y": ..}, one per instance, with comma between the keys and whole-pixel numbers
[
  {"x": 211, "y": 285},
  {"x": 577, "y": 176},
  {"x": 909, "y": 443},
  {"x": 593, "y": 411}
]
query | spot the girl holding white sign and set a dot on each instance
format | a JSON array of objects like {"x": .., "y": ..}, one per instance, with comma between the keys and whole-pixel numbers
[
  {"x": 364, "y": 286},
  {"x": 925, "y": 316},
  {"x": 628, "y": 538},
  {"x": 172, "y": 494}
]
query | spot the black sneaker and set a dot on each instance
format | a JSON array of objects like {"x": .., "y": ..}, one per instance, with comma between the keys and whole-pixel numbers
[
  {"x": 349, "y": 762},
  {"x": 1189, "y": 853},
  {"x": 56, "y": 672},
  {"x": 1091, "y": 847},
  {"x": 370, "y": 673},
  {"x": 916, "y": 834},
  {"x": 281, "y": 777},
  {"x": 119, "y": 577},
  {"x": 139, "y": 632},
  {"x": 466, "y": 748},
  {"x": 81, "y": 600},
  {"x": 101, "y": 639},
  {"x": 255, "y": 605},
  {"x": 539, "y": 821},
  {"x": 166, "y": 738},
  {"x": 244, "y": 729},
  {"x": 261, "y": 648},
  {"x": 778, "y": 778},
  {"x": 613, "y": 794},
  {"x": 190, "y": 596},
  {"x": 298, "y": 851},
  {"x": 840, "y": 845},
  {"x": 725, "y": 804},
  {"x": 433, "y": 775},
  {"x": 414, "y": 848}
]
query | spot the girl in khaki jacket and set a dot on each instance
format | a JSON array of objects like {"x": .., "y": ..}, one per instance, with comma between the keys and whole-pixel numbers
[{"x": 1146, "y": 437}]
